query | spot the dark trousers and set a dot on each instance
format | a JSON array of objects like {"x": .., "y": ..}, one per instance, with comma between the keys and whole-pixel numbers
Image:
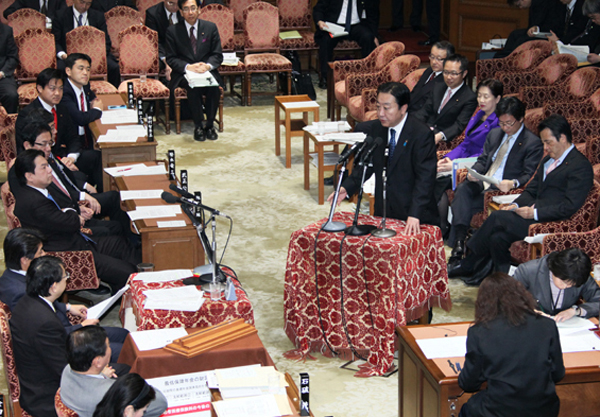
[
  {"x": 113, "y": 73},
  {"x": 397, "y": 13},
  {"x": 433, "y": 8},
  {"x": 202, "y": 102},
  {"x": 111, "y": 207},
  {"x": 9, "y": 98},
  {"x": 90, "y": 163},
  {"x": 516, "y": 38},
  {"x": 468, "y": 200},
  {"x": 115, "y": 260}
]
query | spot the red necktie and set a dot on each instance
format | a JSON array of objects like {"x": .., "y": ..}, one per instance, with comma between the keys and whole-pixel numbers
[
  {"x": 55, "y": 118},
  {"x": 193, "y": 39},
  {"x": 82, "y": 102},
  {"x": 430, "y": 77},
  {"x": 446, "y": 100},
  {"x": 61, "y": 188}
]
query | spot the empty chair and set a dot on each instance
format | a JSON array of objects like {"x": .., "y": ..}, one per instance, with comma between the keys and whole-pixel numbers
[
  {"x": 24, "y": 19},
  {"x": 117, "y": 19},
  {"x": 526, "y": 56}
]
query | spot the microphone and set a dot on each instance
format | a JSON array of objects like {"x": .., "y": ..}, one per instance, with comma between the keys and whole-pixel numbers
[
  {"x": 180, "y": 191},
  {"x": 378, "y": 142},
  {"x": 171, "y": 199},
  {"x": 356, "y": 147},
  {"x": 366, "y": 144}
]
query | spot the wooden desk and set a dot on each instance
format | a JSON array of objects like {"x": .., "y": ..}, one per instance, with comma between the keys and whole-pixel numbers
[
  {"x": 293, "y": 127},
  {"x": 321, "y": 168},
  {"x": 168, "y": 247},
  {"x": 112, "y": 153},
  {"x": 427, "y": 388}
]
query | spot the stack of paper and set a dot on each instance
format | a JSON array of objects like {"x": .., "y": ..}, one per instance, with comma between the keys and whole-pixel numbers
[
  {"x": 140, "y": 194},
  {"x": 157, "y": 338},
  {"x": 135, "y": 169},
  {"x": 187, "y": 394},
  {"x": 326, "y": 127},
  {"x": 580, "y": 52},
  {"x": 290, "y": 34},
  {"x": 335, "y": 30},
  {"x": 350, "y": 137},
  {"x": 505, "y": 199},
  {"x": 120, "y": 116},
  {"x": 96, "y": 311},
  {"x": 154, "y": 212},
  {"x": 186, "y": 298},
  {"x": 230, "y": 59},
  {"x": 205, "y": 79},
  {"x": 117, "y": 135},
  {"x": 163, "y": 276}
]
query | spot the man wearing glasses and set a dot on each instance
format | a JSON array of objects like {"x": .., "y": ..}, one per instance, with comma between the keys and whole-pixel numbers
[
  {"x": 510, "y": 154},
  {"x": 158, "y": 18},
  {"x": 451, "y": 105}
]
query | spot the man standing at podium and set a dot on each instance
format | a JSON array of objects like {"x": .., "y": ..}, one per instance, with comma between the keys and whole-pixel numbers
[{"x": 411, "y": 164}]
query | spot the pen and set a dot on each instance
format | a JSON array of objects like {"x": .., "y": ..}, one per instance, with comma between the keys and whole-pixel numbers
[
  {"x": 458, "y": 366},
  {"x": 123, "y": 170},
  {"x": 452, "y": 366}
]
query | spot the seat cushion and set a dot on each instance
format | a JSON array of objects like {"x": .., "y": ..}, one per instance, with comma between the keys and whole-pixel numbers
[
  {"x": 150, "y": 89},
  {"x": 228, "y": 69},
  {"x": 306, "y": 42},
  {"x": 102, "y": 87},
  {"x": 27, "y": 93},
  {"x": 267, "y": 63},
  {"x": 340, "y": 91},
  {"x": 355, "y": 107}
]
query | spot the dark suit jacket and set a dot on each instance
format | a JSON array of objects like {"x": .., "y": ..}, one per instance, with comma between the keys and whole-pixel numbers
[
  {"x": 455, "y": 115},
  {"x": 104, "y": 6},
  {"x": 54, "y": 6},
  {"x": 411, "y": 173},
  {"x": 563, "y": 192},
  {"x": 9, "y": 53},
  {"x": 535, "y": 276},
  {"x": 39, "y": 340},
  {"x": 422, "y": 91},
  {"x": 576, "y": 24},
  {"x": 548, "y": 15},
  {"x": 158, "y": 20},
  {"x": 179, "y": 49},
  {"x": 71, "y": 103},
  {"x": 329, "y": 11},
  {"x": 64, "y": 23},
  {"x": 67, "y": 139},
  {"x": 523, "y": 158},
  {"x": 520, "y": 364}
]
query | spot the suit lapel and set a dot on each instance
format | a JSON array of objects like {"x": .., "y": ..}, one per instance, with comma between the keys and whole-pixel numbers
[
  {"x": 401, "y": 144},
  {"x": 454, "y": 100}
]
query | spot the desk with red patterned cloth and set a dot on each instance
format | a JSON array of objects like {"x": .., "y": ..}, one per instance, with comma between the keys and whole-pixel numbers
[
  {"x": 398, "y": 281},
  {"x": 211, "y": 312}
]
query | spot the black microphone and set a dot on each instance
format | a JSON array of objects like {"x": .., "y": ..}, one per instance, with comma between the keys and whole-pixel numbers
[
  {"x": 356, "y": 148},
  {"x": 366, "y": 144},
  {"x": 180, "y": 191},
  {"x": 378, "y": 142},
  {"x": 171, "y": 199}
]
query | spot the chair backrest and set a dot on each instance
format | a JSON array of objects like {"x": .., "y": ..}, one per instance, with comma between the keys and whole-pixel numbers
[
  {"x": 238, "y": 7},
  {"x": 37, "y": 51},
  {"x": 8, "y": 147},
  {"x": 401, "y": 66},
  {"x": 384, "y": 53},
  {"x": 119, "y": 18},
  {"x": 80, "y": 266},
  {"x": 8, "y": 357},
  {"x": 582, "y": 83},
  {"x": 61, "y": 409},
  {"x": 294, "y": 14},
  {"x": 138, "y": 51},
  {"x": 223, "y": 18},
  {"x": 413, "y": 78},
  {"x": 556, "y": 68},
  {"x": 90, "y": 41},
  {"x": 592, "y": 150},
  {"x": 143, "y": 5},
  {"x": 24, "y": 19},
  {"x": 8, "y": 202},
  {"x": 261, "y": 27},
  {"x": 3, "y": 6}
]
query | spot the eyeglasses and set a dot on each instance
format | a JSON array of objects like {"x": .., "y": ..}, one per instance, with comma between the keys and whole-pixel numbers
[
  {"x": 452, "y": 73},
  {"x": 435, "y": 58},
  {"x": 67, "y": 276},
  {"x": 189, "y": 9},
  {"x": 507, "y": 124},
  {"x": 171, "y": 3},
  {"x": 44, "y": 144}
]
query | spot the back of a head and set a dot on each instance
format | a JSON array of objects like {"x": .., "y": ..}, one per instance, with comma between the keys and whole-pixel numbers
[
  {"x": 42, "y": 273},
  {"x": 129, "y": 393},
  {"x": 84, "y": 345},
  {"x": 446, "y": 46},
  {"x": 400, "y": 92},
  {"x": 570, "y": 265},
  {"x": 558, "y": 125},
  {"x": 19, "y": 243},
  {"x": 511, "y": 106},
  {"x": 591, "y": 7}
]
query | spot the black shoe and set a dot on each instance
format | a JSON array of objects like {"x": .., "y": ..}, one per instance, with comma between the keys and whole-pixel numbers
[
  {"x": 481, "y": 272},
  {"x": 456, "y": 270},
  {"x": 211, "y": 133},
  {"x": 459, "y": 249},
  {"x": 394, "y": 28},
  {"x": 427, "y": 42},
  {"x": 199, "y": 134},
  {"x": 323, "y": 84},
  {"x": 328, "y": 181}
]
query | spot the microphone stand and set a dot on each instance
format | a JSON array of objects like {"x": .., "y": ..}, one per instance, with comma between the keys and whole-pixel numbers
[
  {"x": 364, "y": 229},
  {"x": 331, "y": 226},
  {"x": 382, "y": 231}
]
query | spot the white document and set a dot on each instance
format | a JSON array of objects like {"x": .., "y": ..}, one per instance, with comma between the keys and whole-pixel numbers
[
  {"x": 115, "y": 135},
  {"x": 498, "y": 43},
  {"x": 140, "y": 194},
  {"x": 205, "y": 79},
  {"x": 328, "y": 127},
  {"x": 335, "y": 30},
  {"x": 580, "y": 341},
  {"x": 119, "y": 116},
  {"x": 299, "y": 104},
  {"x": 578, "y": 51},
  {"x": 261, "y": 406},
  {"x": 444, "y": 347},
  {"x": 174, "y": 223},
  {"x": 136, "y": 130},
  {"x": 505, "y": 199},
  {"x": 574, "y": 325},
  {"x": 187, "y": 394},
  {"x": 230, "y": 59},
  {"x": 157, "y": 338},
  {"x": 349, "y": 137},
  {"x": 186, "y": 298},
  {"x": 121, "y": 170},
  {"x": 539, "y": 238},
  {"x": 163, "y": 276},
  {"x": 96, "y": 311},
  {"x": 491, "y": 180},
  {"x": 154, "y": 212}
]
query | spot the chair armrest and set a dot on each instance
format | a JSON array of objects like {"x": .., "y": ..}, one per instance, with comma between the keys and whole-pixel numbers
[
  {"x": 573, "y": 110},
  {"x": 535, "y": 97},
  {"x": 586, "y": 241},
  {"x": 487, "y": 199},
  {"x": 341, "y": 69}
]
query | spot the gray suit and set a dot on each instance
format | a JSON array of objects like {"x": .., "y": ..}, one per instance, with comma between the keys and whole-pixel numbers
[
  {"x": 82, "y": 393},
  {"x": 535, "y": 276}
]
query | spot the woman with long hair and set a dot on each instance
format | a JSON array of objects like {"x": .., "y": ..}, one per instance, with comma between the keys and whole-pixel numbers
[
  {"x": 129, "y": 396},
  {"x": 514, "y": 350}
]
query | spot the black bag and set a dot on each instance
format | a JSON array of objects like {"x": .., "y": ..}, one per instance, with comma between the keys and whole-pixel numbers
[{"x": 301, "y": 82}]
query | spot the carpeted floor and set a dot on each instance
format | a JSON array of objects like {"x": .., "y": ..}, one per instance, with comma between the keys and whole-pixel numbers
[{"x": 240, "y": 175}]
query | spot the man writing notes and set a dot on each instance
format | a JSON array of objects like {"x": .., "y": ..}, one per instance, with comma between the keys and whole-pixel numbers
[
  {"x": 194, "y": 45},
  {"x": 411, "y": 166}
]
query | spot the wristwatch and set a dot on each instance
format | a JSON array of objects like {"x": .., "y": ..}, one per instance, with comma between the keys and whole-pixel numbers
[
  {"x": 515, "y": 184},
  {"x": 577, "y": 310}
]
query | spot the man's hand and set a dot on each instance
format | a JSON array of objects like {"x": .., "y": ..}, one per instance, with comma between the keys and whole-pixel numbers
[
  {"x": 168, "y": 71},
  {"x": 63, "y": 56},
  {"x": 97, "y": 103},
  {"x": 90, "y": 188},
  {"x": 86, "y": 213},
  {"x": 438, "y": 137},
  {"x": 81, "y": 221},
  {"x": 413, "y": 226},
  {"x": 90, "y": 322},
  {"x": 553, "y": 37},
  {"x": 564, "y": 315},
  {"x": 93, "y": 203},
  {"x": 376, "y": 41},
  {"x": 471, "y": 178},
  {"x": 505, "y": 185},
  {"x": 322, "y": 25},
  {"x": 199, "y": 67},
  {"x": 508, "y": 207},
  {"x": 341, "y": 197},
  {"x": 109, "y": 372},
  {"x": 531, "y": 30},
  {"x": 444, "y": 165},
  {"x": 525, "y": 212},
  {"x": 78, "y": 310},
  {"x": 593, "y": 58},
  {"x": 69, "y": 163}
]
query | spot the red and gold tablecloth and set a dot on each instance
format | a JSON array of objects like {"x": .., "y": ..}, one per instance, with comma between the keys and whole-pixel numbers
[
  {"x": 211, "y": 312},
  {"x": 386, "y": 283}
]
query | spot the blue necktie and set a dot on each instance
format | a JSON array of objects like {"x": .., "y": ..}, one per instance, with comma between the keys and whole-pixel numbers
[
  {"x": 392, "y": 144},
  {"x": 348, "y": 17},
  {"x": 80, "y": 20},
  {"x": 86, "y": 237}
]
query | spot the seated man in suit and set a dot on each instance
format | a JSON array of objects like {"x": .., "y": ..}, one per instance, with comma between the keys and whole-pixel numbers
[
  {"x": 194, "y": 45},
  {"x": 511, "y": 153},
  {"x": 114, "y": 258},
  {"x": 359, "y": 18},
  {"x": 81, "y": 15},
  {"x": 159, "y": 17},
  {"x": 9, "y": 58},
  {"x": 575, "y": 22},
  {"x": 104, "y": 6},
  {"x": 88, "y": 375},
  {"x": 21, "y": 247},
  {"x": 568, "y": 273},
  {"x": 450, "y": 105},
  {"x": 48, "y": 7},
  {"x": 559, "y": 188},
  {"x": 411, "y": 169},
  {"x": 432, "y": 75}
]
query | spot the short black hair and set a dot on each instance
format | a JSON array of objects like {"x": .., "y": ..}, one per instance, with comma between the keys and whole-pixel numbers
[
  {"x": 42, "y": 274},
  {"x": 570, "y": 265},
  {"x": 446, "y": 46},
  {"x": 19, "y": 243},
  {"x": 558, "y": 125},
  {"x": 128, "y": 390},
  {"x": 400, "y": 92},
  {"x": 461, "y": 59},
  {"x": 495, "y": 86},
  {"x": 40, "y": 115},
  {"x": 180, "y": 3},
  {"x": 25, "y": 163},
  {"x": 48, "y": 75},
  {"x": 33, "y": 129},
  {"x": 590, "y": 7},
  {"x": 84, "y": 345},
  {"x": 76, "y": 56},
  {"x": 511, "y": 106}
]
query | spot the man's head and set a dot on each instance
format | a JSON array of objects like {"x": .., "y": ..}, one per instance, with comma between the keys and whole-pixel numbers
[
  {"x": 455, "y": 70},
  {"x": 510, "y": 112},
  {"x": 521, "y": 4},
  {"x": 189, "y": 10},
  {"x": 78, "y": 68},
  {"x": 569, "y": 268},
  {"x": 556, "y": 135},
  {"x": 21, "y": 246},
  {"x": 392, "y": 103},
  {"x": 82, "y": 6},
  {"x": 31, "y": 168},
  {"x": 591, "y": 9},
  {"x": 46, "y": 277},
  {"x": 171, "y": 6},
  {"x": 439, "y": 52},
  {"x": 38, "y": 135},
  {"x": 88, "y": 349},
  {"x": 49, "y": 85}
]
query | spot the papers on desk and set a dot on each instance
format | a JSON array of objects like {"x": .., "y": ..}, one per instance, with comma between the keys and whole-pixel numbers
[
  {"x": 119, "y": 116},
  {"x": 205, "y": 79},
  {"x": 230, "y": 59},
  {"x": 578, "y": 340},
  {"x": 290, "y": 34},
  {"x": 505, "y": 199},
  {"x": 154, "y": 212},
  {"x": 260, "y": 406},
  {"x": 349, "y": 137},
  {"x": 493, "y": 44},
  {"x": 327, "y": 127},
  {"x": 580, "y": 52},
  {"x": 140, "y": 194},
  {"x": 174, "y": 223},
  {"x": 186, "y": 298},
  {"x": 118, "y": 136},
  {"x": 444, "y": 347},
  {"x": 302, "y": 104},
  {"x": 335, "y": 30},
  {"x": 96, "y": 311},
  {"x": 135, "y": 169},
  {"x": 187, "y": 394},
  {"x": 134, "y": 130},
  {"x": 163, "y": 276},
  {"x": 488, "y": 179},
  {"x": 158, "y": 338}
]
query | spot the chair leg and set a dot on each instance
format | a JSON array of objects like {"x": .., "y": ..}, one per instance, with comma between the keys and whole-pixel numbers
[
  {"x": 249, "y": 88},
  {"x": 178, "y": 116},
  {"x": 289, "y": 81},
  {"x": 221, "y": 113},
  {"x": 167, "y": 116},
  {"x": 243, "y": 90},
  {"x": 338, "y": 110}
]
